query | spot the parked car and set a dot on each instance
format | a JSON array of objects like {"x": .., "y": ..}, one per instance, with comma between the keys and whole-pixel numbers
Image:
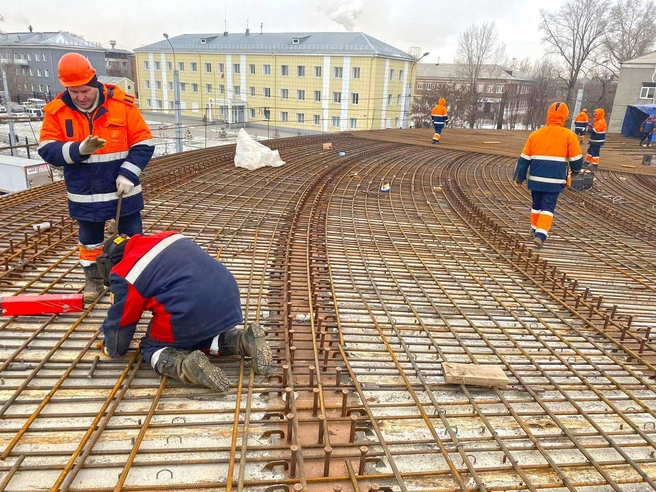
[
  {"x": 34, "y": 113},
  {"x": 34, "y": 102},
  {"x": 3, "y": 110}
]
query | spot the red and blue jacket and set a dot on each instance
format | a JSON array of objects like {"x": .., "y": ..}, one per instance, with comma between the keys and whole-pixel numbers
[
  {"x": 191, "y": 295},
  {"x": 91, "y": 179},
  {"x": 549, "y": 153},
  {"x": 598, "y": 128}
]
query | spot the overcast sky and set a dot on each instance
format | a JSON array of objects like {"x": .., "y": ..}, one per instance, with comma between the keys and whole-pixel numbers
[{"x": 431, "y": 25}]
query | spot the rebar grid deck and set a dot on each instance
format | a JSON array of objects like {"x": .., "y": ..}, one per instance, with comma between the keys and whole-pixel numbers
[{"x": 363, "y": 294}]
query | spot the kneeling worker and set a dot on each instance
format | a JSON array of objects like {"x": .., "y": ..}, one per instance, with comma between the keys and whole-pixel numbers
[{"x": 195, "y": 304}]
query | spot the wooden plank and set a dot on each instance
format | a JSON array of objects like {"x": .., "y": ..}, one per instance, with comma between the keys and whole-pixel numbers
[{"x": 474, "y": 375}]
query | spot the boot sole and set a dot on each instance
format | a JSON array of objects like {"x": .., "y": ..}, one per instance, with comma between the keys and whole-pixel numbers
[
  {"x": 203, "y": 372},
  {"x": 255, "y": 338}
]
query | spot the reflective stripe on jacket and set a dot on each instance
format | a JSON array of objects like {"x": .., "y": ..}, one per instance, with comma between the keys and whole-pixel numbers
[
  {"x": 191, "y": 295},
  {"x": 598, "y": 128},
  {"x": 548, "y": 154},
  {"x": 91, "y": 179},
  {"x": 439, "y": 114}
]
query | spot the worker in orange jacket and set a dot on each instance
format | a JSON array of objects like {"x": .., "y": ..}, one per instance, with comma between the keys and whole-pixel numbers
[
  {"x": 597, "y": 133},
  {"x": 98, "y": 136},
  {"x": 440, "y": 116},
  {"x": 550, "y": 154},
  {"x": 581, "y": 124}
]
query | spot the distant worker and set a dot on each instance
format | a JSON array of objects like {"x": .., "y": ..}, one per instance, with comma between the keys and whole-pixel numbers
[
  {"x": 550, "y": 154},
  {"x": 96, "y": 133},
  {"x": 581, "y": 124},
  {"x": 439, "y": 116},
  {"x": 597, "y": 131},
  {"x": 647, "y": 128},
  {"x": 195, "y": 307}
]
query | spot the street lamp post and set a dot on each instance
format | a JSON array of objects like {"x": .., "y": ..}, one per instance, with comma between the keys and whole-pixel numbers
[
  {"x": 406, "y": 117},
  {"x": 10, "y": 120},
  {"x": 176, "y": 100}
]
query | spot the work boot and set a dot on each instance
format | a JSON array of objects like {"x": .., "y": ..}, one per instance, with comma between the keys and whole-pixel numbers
[
  {"x": 93, "y": 283},
  {"x": 192, "y": 368},
  {"x": 249, "y": 342},
  {"x": 532, "y": 232},
  {"x": 538, "y": 241}
]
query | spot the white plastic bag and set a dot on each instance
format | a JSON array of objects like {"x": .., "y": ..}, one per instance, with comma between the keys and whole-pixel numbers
[{"x": 253, "y": 155}]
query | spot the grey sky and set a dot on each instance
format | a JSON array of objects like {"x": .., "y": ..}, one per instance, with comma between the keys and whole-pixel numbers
[{"x": 431, "y": 25}]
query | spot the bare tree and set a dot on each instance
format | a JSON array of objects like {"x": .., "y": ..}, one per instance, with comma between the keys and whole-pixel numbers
[
  {"x": 631, "y": 32},
  {"x": 575, "y": 32},
  {"x": 544, "y": 91},
  {"x": 478, "y": 45}
]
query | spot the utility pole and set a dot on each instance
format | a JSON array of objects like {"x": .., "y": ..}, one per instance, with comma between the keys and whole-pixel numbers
[
  {"x": 406, "y": 115},
  {"x": 10, "y": 121},
  {"x": 176, "y": 100}
]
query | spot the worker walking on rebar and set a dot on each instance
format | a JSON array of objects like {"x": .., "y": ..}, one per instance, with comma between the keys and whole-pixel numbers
[
  {"x": 96, "y": 133},
  {"x": 550, "y": 154},
  {"x": 195, "y": 307},
  {"x": 581, "y": 124},
  {"x": 597, "y": 131},
  {"x": 440, "y": 117}
]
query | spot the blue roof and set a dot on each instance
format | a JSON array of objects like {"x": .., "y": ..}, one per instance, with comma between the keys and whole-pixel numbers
[
  {"x": 310, "y": 43},
  {"x": 58, "y": 39}
]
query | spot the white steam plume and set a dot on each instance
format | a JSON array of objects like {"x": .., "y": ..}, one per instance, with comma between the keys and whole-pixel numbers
[{"x": 344, "y": 12}]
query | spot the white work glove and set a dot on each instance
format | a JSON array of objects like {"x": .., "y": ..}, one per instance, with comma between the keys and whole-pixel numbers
[
  {"x": 92, "y": 144},
  {"x": 123, "y": 185}
]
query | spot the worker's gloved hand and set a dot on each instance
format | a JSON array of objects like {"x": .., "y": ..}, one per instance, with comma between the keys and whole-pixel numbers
[
  {"x": 92, "y": 144},
  {"x": 123, "y": 185}
]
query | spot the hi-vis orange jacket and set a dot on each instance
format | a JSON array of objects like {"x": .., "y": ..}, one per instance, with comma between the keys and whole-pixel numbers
[
  {"x": 581, "y": 121},
  {"x": 598, "y": 128},
  {"x": 439, "y": 114},
  {"x": 91, "y": 179},
  {"x": 549, "y": 152}
]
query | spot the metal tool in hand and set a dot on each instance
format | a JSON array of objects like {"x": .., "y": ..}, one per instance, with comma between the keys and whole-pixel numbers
[{"x": 114, "y": 229}]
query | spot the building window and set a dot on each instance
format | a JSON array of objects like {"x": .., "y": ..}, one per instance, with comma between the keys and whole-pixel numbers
[
  {"x": 158, "y": 104},
  {"x": 300, "y": 70},
  {"x": 170, "y": 84},
  {"x": 183, "y": 86},
  {"x": 316, "y": 119},
  {"x": 354, "y": 123},
  {"x": 648, "y": 90},
  {"x": 335, "y": 121},
  {"x": 38, "y": 72},
  {"x": 147, "y": 84},
  {"x": 157, "y": 66},
  {"x": 300, "y": 95},
  {"x": 284, "y": 70},
  {"x": 400, "y": 74},
  {"x": 46, "y": 73},
  {"x": 236, "y": 68},
  {"x": 300, "y": 117},
  {"x": 40, "y": 88},
  {"x": 266, "y": 69},
  {"x": 149, "y": 103},
  {"x": 284, "y": 93},
  {"x": 221, "y": 68},
  {"x": 317, "y": 96},
  {"x": 420, "y": 85},
  {"x": 338, "y": 72},
  {"x": 146, "y": 66},
  {"x": 29, "y": 57},
  {"x": 237, "y": 90},
  {"x": 31, "y": 74},
  {"x": 208, "y": 68},
  {"x": 356, "y": 72},
  {"x": 221, "y": 89},
  {"x": 45, "y": 58},
  {"x": 252, "y": 91},
  {"x": 389, "y": 99},
  {"x": 180, "y": 66},
  {"x": 158, "y": 85},
  {"x": 398, "y": 99},
  {"x": 208, "y": 88},
  {"x": 36, "y": 57},
  {"x": 429, "y": 86},
  {"x": 391, "y": 74},
  {"x": 337, "y": 97},
  {"x": 284, "y": 116},
  {"x": 266, "y": 92},
  {"x": 317, "y": 71},
  {"x": 169, "y": 66},
  {"x": 251, "y": 112},
  {"x": 355, "y": 98},
  {"x": 194, "y": 87},
  {"x": 397, "y": 123},
  {"x": 499, "y": 89}
]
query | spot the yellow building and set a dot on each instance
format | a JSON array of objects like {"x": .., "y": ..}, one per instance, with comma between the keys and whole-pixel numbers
[{"x": 305, "y": 82}]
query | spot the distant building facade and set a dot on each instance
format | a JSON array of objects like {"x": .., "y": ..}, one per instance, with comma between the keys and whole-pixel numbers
[
  {"x": 304, "y": 82},
  {"x": 636, "y": 85},
  {"x": 497, "y": 87},
  {"x": 126, "y": 85},
  {"x": 31, "y": 58},
  {"x": 120, "y": 63}
]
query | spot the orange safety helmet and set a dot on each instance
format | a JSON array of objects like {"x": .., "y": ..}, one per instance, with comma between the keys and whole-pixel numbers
[{"x": 74, "y": 69}]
